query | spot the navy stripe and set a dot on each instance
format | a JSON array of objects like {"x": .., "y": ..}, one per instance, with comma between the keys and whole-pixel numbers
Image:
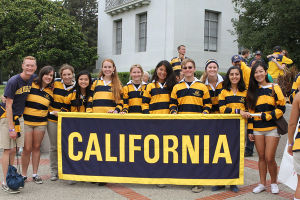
[
  {"x": 234, "y": 99},
  {"x": 31, "y": 118},
  {"x": 40, "y": 93},
  {"x": 298, "y": 135},
  {"x": 36, "y": 105},
  {"x": 176, "y": 64},
  {"x": 263, "y": 124},
  {"x": 228, "y": 110},
  {"x": 173, "y": 101},
  {"x": 190, "y": 108},
  {"x": 264, "y": 108},
  {"x": 146, "y": 100},
  {"x": 135, "y": 109},
  {"x": 2, "y": 111},
  {"x": 57, "y": 105},
  {"x": 125, "y": 101},
  {"x": 190, "y": 92},
  {"x": 207, "y": 101},
  {"x": 214, "y": 93},
  {"x": 157, "y": 91},
  {"x": 281, "y": 108},
  {"x": 215, "y": 108},
  {"x": 222, "y": 103},
  {"x": 158, "y": 106},
  {"x": 61, "y": 92},
  {"x": 146, "y": 111},
  {"x": 102, "y": 88},
  {"x": 173, "y": 108},
  {"x": 265, "y": 91},
  {"x": 52, "y": 117},
  {"x": 134, "y": 94},
  {"x": 104, "y": 102}
]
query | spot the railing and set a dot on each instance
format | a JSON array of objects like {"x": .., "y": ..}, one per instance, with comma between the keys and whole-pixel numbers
[{"x": 114, "y": 7}]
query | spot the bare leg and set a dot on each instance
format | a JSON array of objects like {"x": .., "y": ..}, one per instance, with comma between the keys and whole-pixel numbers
[
  {"x": 270, "y": 151},
  {"x": 26, "y": 152},
  {"x": 262, "y": 165},
  {"x": 37, "y": 140}
]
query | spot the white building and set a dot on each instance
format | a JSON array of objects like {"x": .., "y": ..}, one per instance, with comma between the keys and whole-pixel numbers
[{"x": 148, "y": 31}]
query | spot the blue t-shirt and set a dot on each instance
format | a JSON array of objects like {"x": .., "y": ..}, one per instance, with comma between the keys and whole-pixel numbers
[{"x": 18, "y": 89}]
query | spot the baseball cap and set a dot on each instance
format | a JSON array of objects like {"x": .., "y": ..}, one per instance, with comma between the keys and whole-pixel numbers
[
  {"x": 235, "y": 58},
  {"x": 277, "y": 49},
  {"x": 257, "y": 52}
]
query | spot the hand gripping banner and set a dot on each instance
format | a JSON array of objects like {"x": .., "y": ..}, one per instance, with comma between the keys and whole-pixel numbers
[{"x": 178, "y": 149}]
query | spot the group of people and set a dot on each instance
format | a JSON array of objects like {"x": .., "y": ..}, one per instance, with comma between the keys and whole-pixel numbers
[{"x": 32, "y": 103}]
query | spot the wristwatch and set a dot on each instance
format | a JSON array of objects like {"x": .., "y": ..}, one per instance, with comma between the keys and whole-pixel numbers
[{"x": 11, "y": 130}]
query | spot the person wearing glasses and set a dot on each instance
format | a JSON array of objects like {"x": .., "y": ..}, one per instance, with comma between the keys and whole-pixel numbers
[{"x": 190, "y": 96}]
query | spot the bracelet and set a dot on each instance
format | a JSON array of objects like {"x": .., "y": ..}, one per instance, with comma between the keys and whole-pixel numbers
[
  {"x": 11, "y": 130},
  {"x": 290, "y": 145}
]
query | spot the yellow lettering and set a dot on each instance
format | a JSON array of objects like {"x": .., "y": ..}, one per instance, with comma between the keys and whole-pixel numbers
[
  {"x": 222, "y": 142},
  {"x": 187, "y": 146},
  {"x": 156, "y": 148},
  {"x": 108, "y": 156},
  {"x": 122, "y": 148},
  {"x": 71, "y": 146},
  {"x": 171, "y": 149},
  {"x": 132, "y": 147},
  {"x": 93, "y": 141},
  {"x": 206, "y": 150}
]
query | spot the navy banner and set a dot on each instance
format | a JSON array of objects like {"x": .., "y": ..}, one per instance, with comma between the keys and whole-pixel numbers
[{"x": 151, "y": 149}]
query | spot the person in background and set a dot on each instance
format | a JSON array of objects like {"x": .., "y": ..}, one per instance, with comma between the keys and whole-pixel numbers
[
  {"x": 107, "y": 90},
  {"x": 266, "y": 99},
  {"x": 258, "y": 56},
  {"x": 214, "y": 82},
  {"x": 11, "y": 121},
  {"x": 176, "y": 61},
  {"x": 146, "y": 77},
  {"x": 294, "y": 144},
  {"x": 60, "y": 91},
  {"x": 245, "y": 56},
  {"x": 236, "y": 61},
  {"x": 295, "y": 88},
  {"x": 132, "y": 92},
  {"x": 277, "y": 63},
  {"x": 35, "y": 120},
  {"x": 178, "y": 75}
]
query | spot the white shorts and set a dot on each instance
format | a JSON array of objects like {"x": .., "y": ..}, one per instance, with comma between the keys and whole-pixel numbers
[{"x": 273, "y": 133}]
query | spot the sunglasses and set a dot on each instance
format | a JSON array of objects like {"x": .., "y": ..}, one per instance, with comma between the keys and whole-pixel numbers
[{"x": 189, "y": 67}]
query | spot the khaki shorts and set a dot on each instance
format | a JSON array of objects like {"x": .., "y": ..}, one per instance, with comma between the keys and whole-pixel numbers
[
  {"x": 30, "y": 128},
  {"x": 296, "y": 157},
  {"x": 273, "y": 133},
  {"x": 5, "y": 141}
]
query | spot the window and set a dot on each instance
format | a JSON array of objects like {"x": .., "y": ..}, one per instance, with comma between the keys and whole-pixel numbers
[
  {"x": 142, "y": 32},
  {"x": 118, "y": 36},
  {"x": 211, "y": 31}
]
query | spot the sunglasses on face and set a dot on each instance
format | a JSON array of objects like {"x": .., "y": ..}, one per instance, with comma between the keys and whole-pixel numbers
[{"x": 189, "y": 67}]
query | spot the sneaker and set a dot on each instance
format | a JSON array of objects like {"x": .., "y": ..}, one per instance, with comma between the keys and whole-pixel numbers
[
  {"x": 5, "y": 188},
  {"x": 259, "y": 188},
  {"x": 197, "y": 188},
  {"x": 217, "y": 187},
  {"x": 37, "y": 179},
  {"x": 24, "y": 178},
  {"x": 274, "y": 188},
  {"x": 234, "y": 188},
  {"x": 53, "y": 177},
  {"x": 161, "y": 185}
]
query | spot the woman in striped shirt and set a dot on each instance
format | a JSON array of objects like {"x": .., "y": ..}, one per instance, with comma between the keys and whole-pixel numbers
[{"x": 35, "y": 120}]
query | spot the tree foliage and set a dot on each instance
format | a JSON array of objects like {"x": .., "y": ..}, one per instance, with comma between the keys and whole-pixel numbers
[
  {"x": 263, "y": 24},
  {"x": 86, "y": 13},
  {"x": 44, "y": 29}
]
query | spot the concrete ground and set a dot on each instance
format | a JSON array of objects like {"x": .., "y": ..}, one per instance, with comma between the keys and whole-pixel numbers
[{"x": 62, "y": 190}]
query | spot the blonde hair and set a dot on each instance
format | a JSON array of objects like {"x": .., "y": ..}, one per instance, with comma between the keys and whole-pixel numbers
[
  {"x": 137, "y": 66},
  {"x": 116, "y": 85},
  {"x": 64, "y": 67},
  {"x": 29, "y": 58}
]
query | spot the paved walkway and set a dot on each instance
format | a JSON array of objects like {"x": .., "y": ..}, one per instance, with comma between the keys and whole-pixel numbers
[{"x": 61, "y": 190}]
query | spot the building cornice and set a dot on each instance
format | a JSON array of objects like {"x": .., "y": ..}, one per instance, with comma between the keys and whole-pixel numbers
[{"x": 114, "y": 7}]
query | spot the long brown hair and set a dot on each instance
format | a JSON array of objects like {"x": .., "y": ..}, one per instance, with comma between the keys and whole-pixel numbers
[{"x": 116, "y": 85}]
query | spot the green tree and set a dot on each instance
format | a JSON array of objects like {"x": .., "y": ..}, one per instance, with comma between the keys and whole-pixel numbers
[
  {"x": 44, "y": 29},
  {"x": 263, "y": 24},
  {"x": 86, "y": 13}
]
